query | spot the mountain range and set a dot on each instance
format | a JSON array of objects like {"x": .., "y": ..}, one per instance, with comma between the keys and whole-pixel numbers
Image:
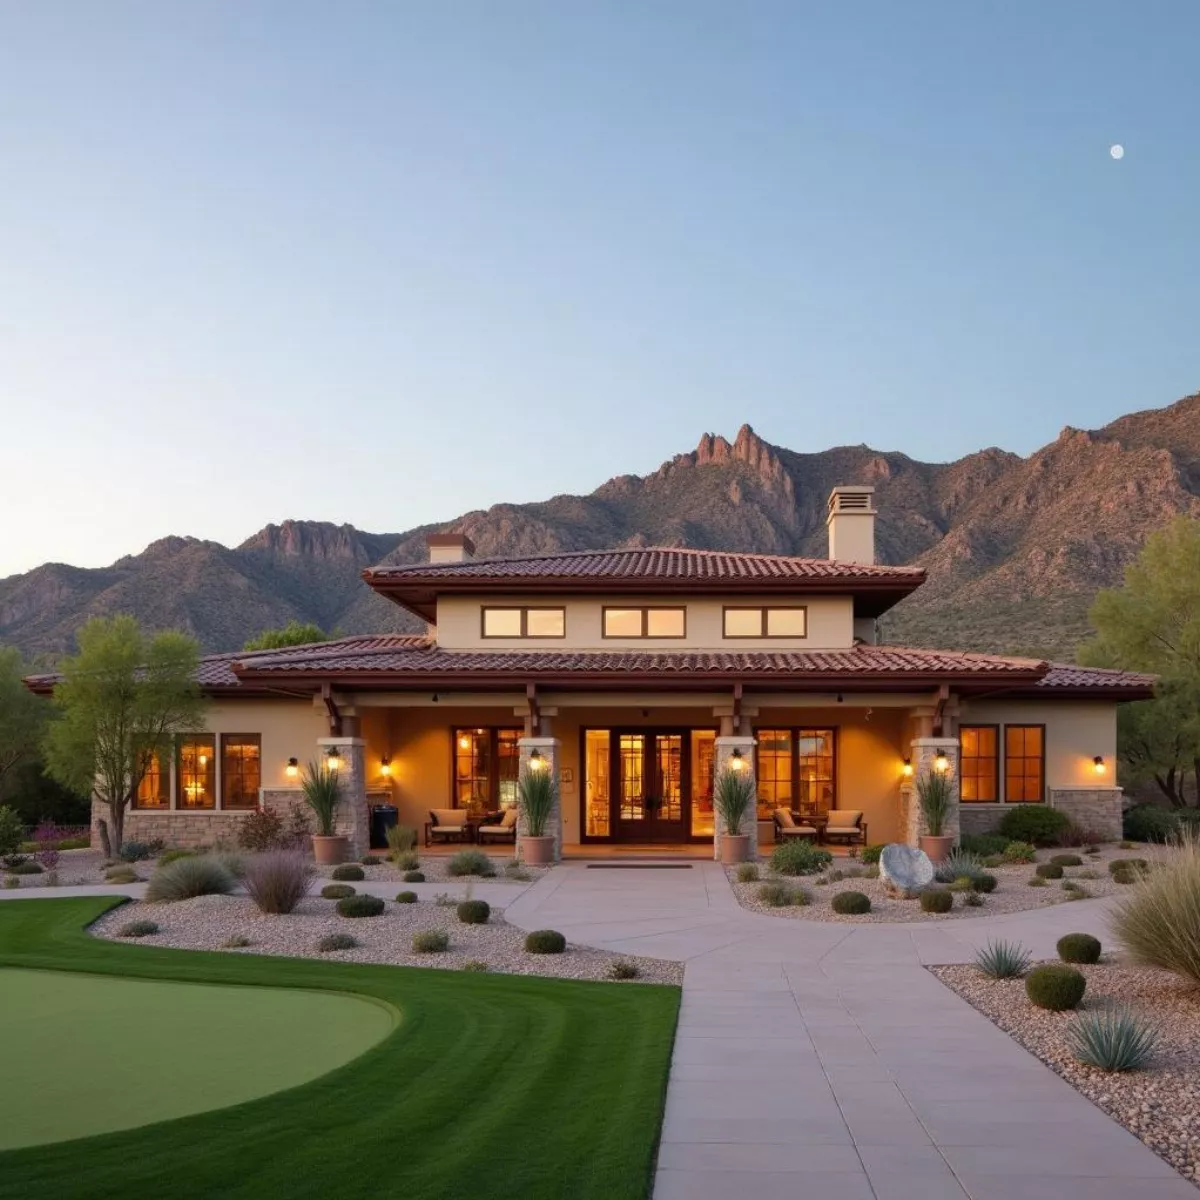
[{"x": 1015, "y": 547}]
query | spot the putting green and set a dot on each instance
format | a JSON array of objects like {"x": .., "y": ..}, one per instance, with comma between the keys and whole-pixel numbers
[{"x": 87, "y": 1054}]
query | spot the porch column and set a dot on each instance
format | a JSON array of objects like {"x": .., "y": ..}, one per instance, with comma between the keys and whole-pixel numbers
[
  {"x": 353, "y": 819},
  {"x": 724, "y": 747},
  {"x": 925, "y": 751},
  {"x": 548, "y": 748}
]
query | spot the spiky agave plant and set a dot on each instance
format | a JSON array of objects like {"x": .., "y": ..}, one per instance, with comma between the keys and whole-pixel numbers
[
  {"x": 1003, "y": 960},
  {"x": 960, "y": 864},
  {"x": 1113, "y": 1039}
]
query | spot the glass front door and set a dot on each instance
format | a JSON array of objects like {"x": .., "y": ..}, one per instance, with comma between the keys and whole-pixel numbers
[{"x": 651, "y": 786}]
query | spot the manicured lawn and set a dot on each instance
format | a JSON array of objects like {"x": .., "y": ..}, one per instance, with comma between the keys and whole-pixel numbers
[{"x": 490, "y": 1086}]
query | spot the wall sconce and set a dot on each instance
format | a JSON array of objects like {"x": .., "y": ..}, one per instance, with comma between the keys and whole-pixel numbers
[
  {"x": 941, "y": 762},
  {"x": 736, "y": 761},
  {"x": 293, "y": 768},
  {"x": 906, "y": 768},
  {"x": 1099, "y": 765},
  {"x": 333, "y": 759},
  {"x": 385, "y": 767},
  {"x": 536, "y": 761}
]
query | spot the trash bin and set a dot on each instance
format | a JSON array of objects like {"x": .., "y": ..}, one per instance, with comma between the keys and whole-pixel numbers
[{"x": 383, "y": 818}]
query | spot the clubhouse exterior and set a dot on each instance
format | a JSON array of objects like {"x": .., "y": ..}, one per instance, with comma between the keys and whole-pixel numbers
[{"x": 634, "y": 676}]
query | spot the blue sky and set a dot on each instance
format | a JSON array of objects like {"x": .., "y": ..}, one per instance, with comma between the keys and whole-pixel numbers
[{"x": 383, "y": 263}]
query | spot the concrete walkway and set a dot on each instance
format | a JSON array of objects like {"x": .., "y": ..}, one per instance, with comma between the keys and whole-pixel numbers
[{"x": 822, "y": 1060}]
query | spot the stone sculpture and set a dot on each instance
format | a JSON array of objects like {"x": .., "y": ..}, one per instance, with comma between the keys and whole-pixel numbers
[{"x": 904, "y": 870}]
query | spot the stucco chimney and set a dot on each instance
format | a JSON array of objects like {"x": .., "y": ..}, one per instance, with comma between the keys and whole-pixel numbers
[
  {"x": 449, "y": 547},
  {"x": 851, "y": 524}
]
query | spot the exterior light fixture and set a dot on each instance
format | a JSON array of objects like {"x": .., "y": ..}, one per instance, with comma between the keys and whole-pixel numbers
[
  {"x": 293, "y": 768},
  {"x": 906, "y": 768},
  {"x": 536, "y": 761},
  {"x": 385, "y": 767},
  {"x": 333, "y": 759},
  {"x": 1099, "y": 765},
  {"x": 736, "y": 761},
  {"x": 941, "y": 762}
]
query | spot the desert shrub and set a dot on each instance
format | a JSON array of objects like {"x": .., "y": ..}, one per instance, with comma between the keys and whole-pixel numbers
[
  {"x": 337, "y": 891},
  {"x": 336, "y": 941},
  {"x": 1128, "y": 864},
  {"x": 235, "y": 864},
  {"x": 1066, "y": 860},
  {"x": 260, "y": 830},
  {"x": 871, "y": 854},
  {"x": 135, "y": 851},
  {"x": 1079, "y": 948},
  {"x": 1125, "y": 875},
  {"x": 1038, "y": 881},
  {"x": 1048, "y": 870},
  {"x": 834, "y": 877},
  {"x": 1073, "y": 835},
  {"x": 369, "y": 860},
  {"x": 515, "y": 869},
  {"x": 407, "y": 862},
  {"x": 1074, "y": 890},
  {"x": 237, "y": 942},
  {"x": 984, "y": 883},
  {"x": 1034, "y": 823},
  {"x": 1020, "y": 852},
  {"x": 138, "y": 929},
  {"x": 475, "y": 964},
  {"x": 45, "y": 841},
  {"x": 959, "y": 885},
  {"x": 936, "y": 900},
  {"x": 406, "y": 898},
  {"x": 983, "y": 844},
  {"x": 973, "y": 900},
  {"x": 1088, "y": 874},
  {"x": 776, "y": 894},
  {"x": 799, "y": 857},
  {"x": 958, "y": 864},
  {"x": 413, "y": 877},
  {"x": 1055, "y": 986},
  {"x": 431, "y": 941},
  {"x": 747, "y": 872},
  {"x": 401, "y": 840},
  {"x": 188, "y": 877},
  {"x": 1113, "y": 1039},
  {"x": 545, "y": 941},
  {"x": 471, "y": 862},
  {"x": 474, "y": 912},
  {"x": 359, "y": 906},
  {"x": 25, "y": 868},
  {"x": 1003, "y": 960},
  {"x": 348, "y": 873},
  {"x": 995, "y": 860},
  {"x": 277, "y": 880},
  {"x": 170, "y": 856},
  {"x": 623, "y": 970},
  {"x": 12, "y": 831},
  {"x": 851, "y": 904},
  {"x": 1149, "y": 823},
  {"x": 121, "y": 875}
]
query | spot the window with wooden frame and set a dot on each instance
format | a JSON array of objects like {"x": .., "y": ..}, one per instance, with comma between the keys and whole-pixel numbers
[
  {"x": 196, "y": 771},
  {"x": 765, "y": 622},
  {"x": 486, "y": 767},
  {"x": 241, "y": 770},
  {"x": 523, "y": 622},
  {"x": 979, "y": 764},
  {"x": 796, "y": 769},
  {"x": 1024, "y": 764},
  {"x": 656, "y": 622},
  {"x": 154, "y": 791}
]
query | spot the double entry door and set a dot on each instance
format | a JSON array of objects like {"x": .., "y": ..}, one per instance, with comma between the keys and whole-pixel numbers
[{"x": 651, "y": 778}]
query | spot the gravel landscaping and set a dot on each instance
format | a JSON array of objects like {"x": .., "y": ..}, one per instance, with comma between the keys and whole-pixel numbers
[
  {"x": 212, "y": 922},
  {"x": 1161, "y": 1106}
]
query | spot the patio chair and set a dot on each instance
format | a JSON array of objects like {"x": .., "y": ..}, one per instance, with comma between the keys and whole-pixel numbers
[
  {"x": 786, "y": 828},
  {"x": 447, "y": 825},
  {"x": 503, "y": 830},
  {"x": 846, "y": 825}
]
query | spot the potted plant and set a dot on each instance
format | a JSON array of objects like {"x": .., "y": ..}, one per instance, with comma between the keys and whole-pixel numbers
[
  {"x": 734, "y": 799},
  {"x": 933, "y": 794},
  {"x": 537, "y": 796},
  {"x": 322, "y": 792}
]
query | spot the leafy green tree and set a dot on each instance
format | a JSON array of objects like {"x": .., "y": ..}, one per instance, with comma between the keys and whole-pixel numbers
[
  {"x": 292, "y": 634},
  {"x": 22, "y": 714},
  {"x": 122, "y": 700}
]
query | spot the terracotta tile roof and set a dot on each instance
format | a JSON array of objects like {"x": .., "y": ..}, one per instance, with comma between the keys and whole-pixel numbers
[{"x": 1066, "y": 675}]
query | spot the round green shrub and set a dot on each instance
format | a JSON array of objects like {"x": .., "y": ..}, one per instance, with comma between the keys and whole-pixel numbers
[
  {"x": 776, "y": 894},
  {"x": 406, "y": 898},
  {"x": 870, "y": 854},
  {"x": 1125, "y": 875},
  {"x": 936, "y": 900},
  {"x": 414, "y": 877},
  {"x": 1066, "y": 860},
  {"x": 360, "y": 906},
  {"x": 1079, "y": 948},
  {"x": 799, "y": 857},
  {"x": 25, "y": 868},
  {"x": 1038, "y": 881},
  {"x": 346, "y": 872},
  {"x": 984, "y": 883},
  {"x": 337, "y": 891},
  {"x": 851, "y": 904},
  {"x": 1127, "y": 865},
  {"x": 471, "y": 862},
  {"x": 1034, "y": 823},
  {"x": 186, "y": 878},
  {"x": 1055, "y": 986},
  {"x": 138, "y": 929},
  {"x": 1149, "y": 823},
  {"x": 545, "y": 941},
  {"x": 431, "y": 941},
  {"x": 973, "y": 900},
  {"x": 1048, "y": 870},
  {"x": 474, "y": 912},
  {"x": 623, "y": 970},
  {"x": 747, "y": 873},
  {"x": 169, "y": 856},
  {"x": 121, "y": 875},
  {"x": 336, "y": 941}
]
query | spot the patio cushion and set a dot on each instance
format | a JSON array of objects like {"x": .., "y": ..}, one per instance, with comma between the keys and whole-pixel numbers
[
  {"x": 784, "y": 817},
  {"x": 844, "y": 818},
  {"x": 448, "y": 820},
  {"x": 798, "y": 831},
  {"x": 510, "y": 818}
]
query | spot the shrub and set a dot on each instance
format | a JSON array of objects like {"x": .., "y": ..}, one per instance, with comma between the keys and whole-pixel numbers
[
  {"x": 516, "y": 870},
  {"x": 401, "y": 840},
  {"x": 337, "y": 891},
  {"x": 277, "y": 880},
  {"x": 871, "y": 854},
  {"x": 475, "y": 964},
  {"x": 799, "y": 857},
  {"x": 747, "y": 872},
  {"x": 1038, "y": 881},
  {"x": 347, "y": 872},
  {"x": 1079, "y": 948},
  {"x": 471, "y": 862},
  {"x": 135, "y": 851},
  {"x": 851, "y": 904},
  {"x": 45, "y": 839},
  {"x": 121, "y": 875},
  {"x": 12, "y": 831},
  {"x": 623, "y": 970},
  {"x": 545, "y": 941},
  {"x": 237, "y": 942},
  {"x": 983, "y": 844},
  {"x": 138, "y": 929},
  {"x": 1125, "y": 875},
  {"x": 260, "y": 830},
  {"x": 1066, "y": 860},
  {"x": 188, "y": 877},
  {"x": 1048, "y": 870},
  {"x": 958, "y": 864},
  {"x": 336, "y": 941},
  {"x": 1075, "y": 891},
  {"x": 776, "y": 894},
  {"x": 25, "y": 868},
  {"x": 1126, "y": 845},
  {"x": 414, "y": 877},
  {"x": 235, "y": 864},
  {"x": 359, "y": 906},
  {"x": 1112, "y": 1039},
  {"x": 1020, "y": 852},
  {"x": 170, "y": 856},
  {"x": 407, "y": 862},
  {"x": 406, "y": 898},
  {"x": 973, "y": 900},
  {"x": 1149, "y": 823},
  {"x": 369, "y": 860},
  {"x": 959, "y": 885},
  {"x": 1003, "y": 960},
  {"x": 1088, "y": 874},
  {"x": 1055, "y": 986},
  {"x": 1034, "y": 823},
  {"x": 936, "y": 900},
  {"x": 431, "y": 941},
  {"x": 1127, "y": 864},
  {"x": 995, "y": 860},
  {"x": 984, "y": 883},
  {"x": 474, "y": 912}
]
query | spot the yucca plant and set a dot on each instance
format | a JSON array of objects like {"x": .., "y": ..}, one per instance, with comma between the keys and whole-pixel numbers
[
  {"x": 1003, "y": 960},
  {"x": 960, "y": 864},
  {"x": 1113, "y": 1039},
  {"x": 538, "y": 793},
  {"x": 322, "y": 791},
  {"x": 733, "y": 798},
  {"x": 402, "y": 841},
  {"x": 933, "y": 793}
]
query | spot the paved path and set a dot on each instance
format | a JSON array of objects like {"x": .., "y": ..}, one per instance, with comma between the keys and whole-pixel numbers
[{"x": 822, "y": 1060}]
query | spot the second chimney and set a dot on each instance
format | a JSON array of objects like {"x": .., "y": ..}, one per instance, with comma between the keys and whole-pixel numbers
[
  {"x": 851, "y": 525},
  {"x": 450, "y": 547}
]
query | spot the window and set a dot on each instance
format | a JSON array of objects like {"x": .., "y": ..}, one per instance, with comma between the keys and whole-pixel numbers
[
  {"x": 154, "y": 790},
  {"x": 796, "y": 770},
  {"x": 1024, "y": 763},
  {"x": 766, "y": 622},
  {"x": 195, "y": 771},
  {"x": 241, "y": 756},
  {"x": 645, "y": 622},
  {"x": 979, "y": 766},
  {"x": 524, "y": 622},
  {"x": 487, "y": 764}
]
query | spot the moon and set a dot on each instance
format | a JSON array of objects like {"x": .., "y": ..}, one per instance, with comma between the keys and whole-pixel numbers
[{"x": 1117, "y": 151}]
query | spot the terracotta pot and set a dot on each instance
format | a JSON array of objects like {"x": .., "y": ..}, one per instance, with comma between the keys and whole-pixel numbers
[
  {"x": 735, "y": 848},
  {"x": 537, "y": 851},
  {"x": 936, "y": 848},
  {"x": 330, "y": 851}
]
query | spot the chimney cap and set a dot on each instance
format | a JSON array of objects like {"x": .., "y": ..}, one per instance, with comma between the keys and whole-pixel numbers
[
  {"x": 852, "y": 498},
  {"x": 457, "y": 541}
]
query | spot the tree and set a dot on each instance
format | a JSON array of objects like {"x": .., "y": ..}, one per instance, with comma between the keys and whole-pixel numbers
[
  {"x": 292, "y": 634},
  {"x": 22, "y": 714},
  {"x": 122, "y": 700}
]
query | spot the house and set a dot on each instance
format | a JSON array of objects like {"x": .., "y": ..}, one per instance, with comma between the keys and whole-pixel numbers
[{"x": 634, "y": 676}]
